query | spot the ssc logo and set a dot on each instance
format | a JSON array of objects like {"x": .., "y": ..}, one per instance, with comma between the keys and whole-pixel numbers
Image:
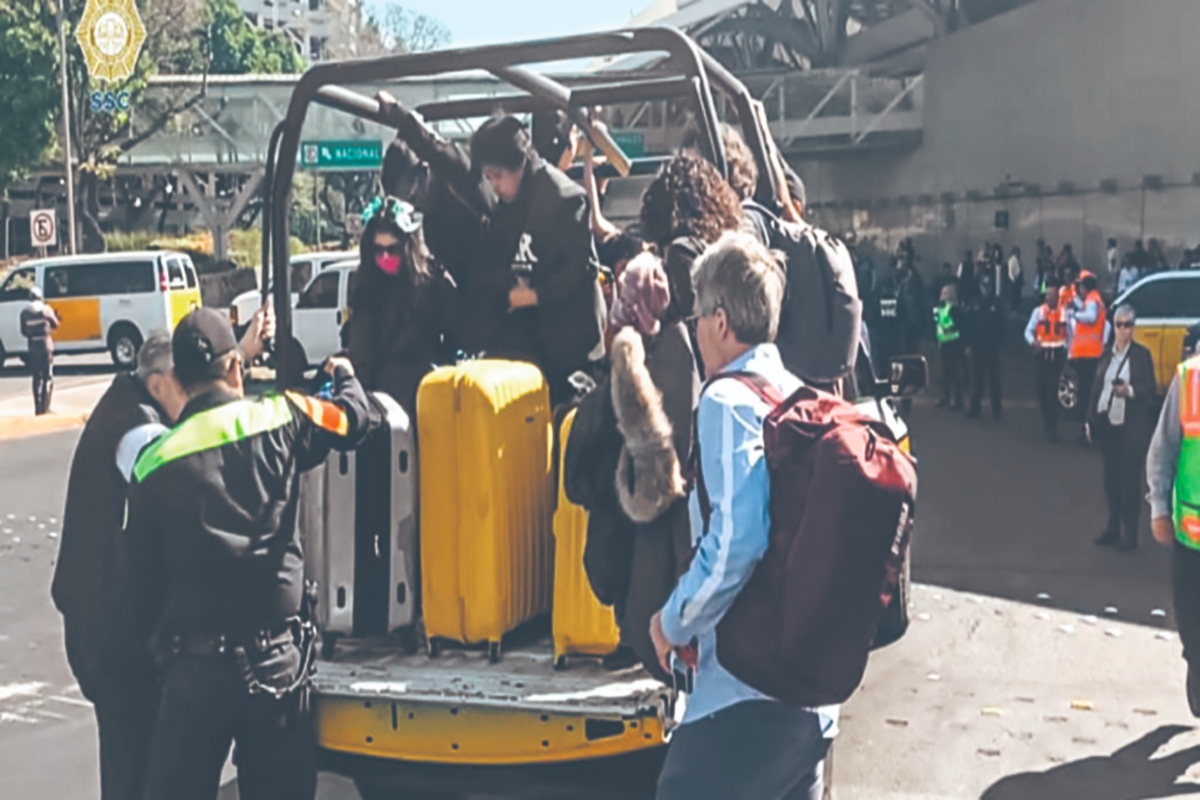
[{"x": 110, "y": 102}]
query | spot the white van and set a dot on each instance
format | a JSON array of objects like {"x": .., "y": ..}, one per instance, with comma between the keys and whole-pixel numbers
[
  {"x": 104, "y": 302},
  {"x": 321, "y": 311},
  {"x": 304, "y": 267}
]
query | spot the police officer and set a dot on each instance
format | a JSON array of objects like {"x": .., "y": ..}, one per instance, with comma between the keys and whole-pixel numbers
[
  {"x": 115, "y": 673},
  {"x": 1173, "y": 473},
  {"x": 948, "y": 326},
  {"x": 1047, "y": 333},
  {"x": 887, "y": 330},
  {"x": 38, "y": 322},
  {"x": 217, "y": 571},
  {"x": 985, "y": 338}
]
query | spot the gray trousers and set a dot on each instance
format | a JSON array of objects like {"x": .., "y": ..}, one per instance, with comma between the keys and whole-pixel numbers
[{"x": 757, "y": 750}]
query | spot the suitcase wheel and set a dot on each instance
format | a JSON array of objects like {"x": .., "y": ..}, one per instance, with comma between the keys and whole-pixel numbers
[
  {"x": 328, "y": 645},
  {"x": 560, "y": 663},
  {"x": 493, "y": 652}
]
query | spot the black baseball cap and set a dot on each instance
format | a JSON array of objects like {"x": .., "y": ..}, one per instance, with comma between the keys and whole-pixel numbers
[{"x": 200, "y": 340}]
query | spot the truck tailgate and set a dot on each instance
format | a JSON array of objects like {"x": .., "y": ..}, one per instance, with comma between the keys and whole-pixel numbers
[{"x": 372, "y": 699}]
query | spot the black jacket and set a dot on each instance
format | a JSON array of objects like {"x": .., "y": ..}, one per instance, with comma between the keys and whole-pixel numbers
[
  {"x": 1139, "y": 419},
  {"x": 213, "y": 547},
  {"x": 545, "y": 234},
  {"x": 985, "y": 323},
  {"x": 458, "y": 204},
  {"x": 400, "y": 328},
  {"x": 84, "y": 585}
]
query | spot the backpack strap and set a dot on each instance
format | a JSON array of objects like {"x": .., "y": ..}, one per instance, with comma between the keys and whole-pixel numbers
[{"x": 765, "y": 390}]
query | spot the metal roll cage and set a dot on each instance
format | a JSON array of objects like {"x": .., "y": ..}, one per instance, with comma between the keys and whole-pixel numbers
[{"x": 687, "y": 72}]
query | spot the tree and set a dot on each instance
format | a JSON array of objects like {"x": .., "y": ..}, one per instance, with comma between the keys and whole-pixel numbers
[
  {"x": 29, "y": 87},
  {"x": 237, "y": 48},
  {"x": 182, "y": 36},
  {"x": 362, "y": 34},
  {"x": 406, "y": 32}
]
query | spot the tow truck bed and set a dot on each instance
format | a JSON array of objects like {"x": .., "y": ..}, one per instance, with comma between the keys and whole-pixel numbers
[{"x": 371, "y": 699}]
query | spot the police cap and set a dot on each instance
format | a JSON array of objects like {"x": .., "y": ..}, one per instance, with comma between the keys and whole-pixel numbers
[{"x": 200, "y": 340}]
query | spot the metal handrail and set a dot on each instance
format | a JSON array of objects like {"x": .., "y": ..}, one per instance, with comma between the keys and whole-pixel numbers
[{"x": 323, "y": 84}]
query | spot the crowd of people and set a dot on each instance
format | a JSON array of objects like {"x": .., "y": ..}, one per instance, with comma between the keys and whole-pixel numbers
[{"x": 194, "y": 635}]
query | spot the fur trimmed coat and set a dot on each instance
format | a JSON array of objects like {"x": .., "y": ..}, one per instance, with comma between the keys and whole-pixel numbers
[{"x": 625, "y": 464}]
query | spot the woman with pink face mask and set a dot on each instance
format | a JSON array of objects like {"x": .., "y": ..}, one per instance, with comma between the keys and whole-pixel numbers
[{"x": 402, "y": 305}]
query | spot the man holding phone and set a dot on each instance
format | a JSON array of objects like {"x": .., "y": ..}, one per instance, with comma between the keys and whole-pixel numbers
[{"x": 1119, "y": 423}]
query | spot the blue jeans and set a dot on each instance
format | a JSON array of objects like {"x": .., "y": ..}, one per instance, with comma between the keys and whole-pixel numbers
[{"x": 757, "y": 749}]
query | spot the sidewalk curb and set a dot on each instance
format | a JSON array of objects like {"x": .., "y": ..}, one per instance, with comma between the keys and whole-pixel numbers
[{"x": 13, "y": 427}]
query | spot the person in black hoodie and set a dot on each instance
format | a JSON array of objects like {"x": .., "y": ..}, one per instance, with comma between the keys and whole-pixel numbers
[
  {"x": 404, "y": 308},
  {"x": 985, "y": 338},
  {"x": 540, "y": 265}
]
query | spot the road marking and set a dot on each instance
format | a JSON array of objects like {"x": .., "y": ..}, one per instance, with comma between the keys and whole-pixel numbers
[{"x": 20, "y": 690}]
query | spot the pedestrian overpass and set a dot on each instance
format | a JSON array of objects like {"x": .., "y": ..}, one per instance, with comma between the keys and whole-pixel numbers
[{"x": 207, "y": 164}]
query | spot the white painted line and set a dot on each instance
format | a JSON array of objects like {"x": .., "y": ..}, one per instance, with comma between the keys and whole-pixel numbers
[{"x": 9, "y": 691}]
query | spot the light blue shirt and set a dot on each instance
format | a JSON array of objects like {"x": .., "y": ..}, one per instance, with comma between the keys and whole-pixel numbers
[{"x": 735, "y": 474}]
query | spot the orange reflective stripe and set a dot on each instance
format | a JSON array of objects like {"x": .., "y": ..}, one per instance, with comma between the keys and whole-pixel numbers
[
  {"x": 1190, "y": 528},
  {"x": 1189, "y": 404},
  {"x": 1051, "y": 330},
  {"x": 324, "y": 414}
]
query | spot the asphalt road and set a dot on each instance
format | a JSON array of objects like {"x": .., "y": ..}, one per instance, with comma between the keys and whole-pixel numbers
[
  {"x": 993, "y": 694},
  {"x": 70, "y": 373}
]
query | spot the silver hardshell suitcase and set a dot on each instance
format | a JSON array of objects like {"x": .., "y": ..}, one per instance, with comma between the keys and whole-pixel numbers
[
  {"x": 396, "y": 526},
  {"x": 326, "y": 520},
  {"x": 358, "y": 525}
]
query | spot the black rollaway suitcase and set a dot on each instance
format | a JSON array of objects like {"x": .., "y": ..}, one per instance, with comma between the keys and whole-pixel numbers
[{"x": 358, "y": 523}]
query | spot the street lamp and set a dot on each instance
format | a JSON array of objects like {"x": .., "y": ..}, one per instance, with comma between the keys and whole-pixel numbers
[{"x": 66, "y": 137}]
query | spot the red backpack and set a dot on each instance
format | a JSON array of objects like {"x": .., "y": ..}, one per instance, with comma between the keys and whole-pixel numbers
[{"x": 843, "y": 496}]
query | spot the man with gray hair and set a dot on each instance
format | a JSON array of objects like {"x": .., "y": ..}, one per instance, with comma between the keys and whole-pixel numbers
[
  {"x": 112, "y": 670},
  {"x": 734, "y": 740},
  {"x": 1118, "y": 420}
]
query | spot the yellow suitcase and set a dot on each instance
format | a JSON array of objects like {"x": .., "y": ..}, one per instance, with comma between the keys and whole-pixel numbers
[
  {"x": 487, "y": 493},
  {"x": 581, "y": 625}
]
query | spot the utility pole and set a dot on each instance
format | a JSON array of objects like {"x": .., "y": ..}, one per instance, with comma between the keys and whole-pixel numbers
[{"x": 66, "y": 134}]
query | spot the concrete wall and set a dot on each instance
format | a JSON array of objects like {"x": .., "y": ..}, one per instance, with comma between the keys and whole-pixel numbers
[
  {"x": 1057, "y": 92},
  {"x": 1060, "y": 90}
]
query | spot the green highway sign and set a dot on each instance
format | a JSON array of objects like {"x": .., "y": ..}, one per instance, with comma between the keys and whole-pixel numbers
[
  {"x": 632, "y": 143},
  {"x": 349, "y": 154}
]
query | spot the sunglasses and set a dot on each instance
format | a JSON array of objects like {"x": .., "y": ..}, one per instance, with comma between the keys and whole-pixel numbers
[
  {"x": 1123, "y": 324},
  {"x": 390, "y": 250}
]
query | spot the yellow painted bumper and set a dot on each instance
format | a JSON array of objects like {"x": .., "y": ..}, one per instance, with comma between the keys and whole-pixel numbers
[{"x": 445, "y": 734}]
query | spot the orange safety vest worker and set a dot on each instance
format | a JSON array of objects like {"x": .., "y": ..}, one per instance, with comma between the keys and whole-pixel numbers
[
  {"x": 1066, "y": 296},
  {"x": 1088, "y": 339},
  {"x": 1051, "y": 330}
]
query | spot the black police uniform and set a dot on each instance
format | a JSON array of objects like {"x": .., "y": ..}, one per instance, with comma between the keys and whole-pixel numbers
[
  {"x": 217, "y": 567},
  {"x": 38, "y": 322},
  {"x": 986, "y": 322}
]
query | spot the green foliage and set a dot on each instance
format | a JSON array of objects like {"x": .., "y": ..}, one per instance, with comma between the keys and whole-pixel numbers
[
  {"x": 237, "y": 48},
  {"x": 29, "y": 86}
]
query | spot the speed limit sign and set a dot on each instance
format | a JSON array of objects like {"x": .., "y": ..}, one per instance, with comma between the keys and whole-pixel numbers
[{"x": 43, "y": 227}]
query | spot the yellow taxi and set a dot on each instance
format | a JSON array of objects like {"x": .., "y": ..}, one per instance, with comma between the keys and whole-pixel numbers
[{"x": 1167, "y": 304}]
